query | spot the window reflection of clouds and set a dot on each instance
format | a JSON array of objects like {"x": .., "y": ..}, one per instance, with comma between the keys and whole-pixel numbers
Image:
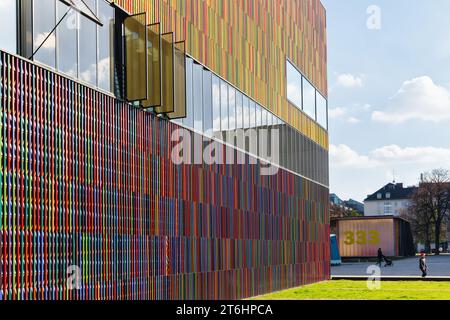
[
  {"x": 7, "y": 20},
  {"x": 80, "y": 53},
  {"x": 322, "y": 110},
  {"x": 224, "y": 105},
  {"x": 232, "y": 107},
  {"x": 105, "y": 45},
  {"x": 49, "y": 44},
  {"x": 198, "y": 97},
  {"x": 302, "y": 94},
  {"x": 88, "y": 48},
  {"x": 246, "y": 112},
  {"x": 44, "y": 21},
  {"x": 309, "y": 99},
  {"x": 294, "y": 85},
  {"x": 67, "y": 43},
  {"x": 216, "y": 103},
  {"x": 189, "y": 120},
  {"x": 252, "y": 114},
  {"x": 239, "y": 111},
  {"x": 207, "y": 103}
]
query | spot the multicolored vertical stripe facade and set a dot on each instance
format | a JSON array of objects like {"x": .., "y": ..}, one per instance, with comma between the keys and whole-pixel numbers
[
  {"x": 247, "y": 43},
  {"x": 87, "y": 183}
]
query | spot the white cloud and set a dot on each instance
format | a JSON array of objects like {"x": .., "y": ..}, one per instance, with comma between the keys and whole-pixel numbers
[
  {"x": 390, "y": 156},
  {"x": 104, "y": 70},
  {"x": 353, "y": 120},
  {"x": 50, "y": 43},
  {"x": 367, "y": 107},
  {"x": 394, "y": 153},
  {"x": 348, "y": 80},
  {"x": 336, "y": 112},
  {"x": 343, "y": 156},
  {"x": 6, "y": 4},
  {"x": 417, "y": 99}
]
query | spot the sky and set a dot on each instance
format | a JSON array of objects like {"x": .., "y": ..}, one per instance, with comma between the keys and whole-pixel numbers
[{"x": 389, "y": 92}]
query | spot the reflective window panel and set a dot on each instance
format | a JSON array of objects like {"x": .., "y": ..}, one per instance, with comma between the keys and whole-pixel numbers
[
  {"x": 88, "y": 47},
  {"x": 207, "y": 103},
  {"x": 198, "y": 97},
  {"x": 265, "y": 114},
  {"x": 246, "y": 112},
  {"x": 216, "y": 104},
  {"x": 44, "y": 21},
  {"x": 239, "y": 110},
  {"x": 309, "y": 99},
  {"x": 8, "y": 41},
  {"x": 252, "y": 114},
  {"x": 105, "y": 45},
  {"x": 258, "y": 115},
  {"x": 67, "y": 41},
  {"x": 294, "y": 85},
  {"x": 232, "y": 107},
  {"x": 223, "y": 105},
  {"x": 189, "y": 120},
  {"x": 321, "y": 110}
]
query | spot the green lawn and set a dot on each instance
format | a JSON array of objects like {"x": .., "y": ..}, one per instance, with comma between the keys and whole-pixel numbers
[{"x": 357, "y": 290}]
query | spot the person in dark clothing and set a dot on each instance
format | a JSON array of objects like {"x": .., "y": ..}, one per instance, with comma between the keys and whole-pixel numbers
[
  {"x": 423, "y": 265},
  {"x": 380, "y": 257}
]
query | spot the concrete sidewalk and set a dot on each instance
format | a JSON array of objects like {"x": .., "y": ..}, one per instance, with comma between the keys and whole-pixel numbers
[{"x": 438, "y": 266}]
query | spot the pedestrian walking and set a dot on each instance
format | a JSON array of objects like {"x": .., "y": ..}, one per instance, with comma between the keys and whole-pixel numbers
[
  {"x": 380, "y": 257},
  {"x": 423, "y": 265}
]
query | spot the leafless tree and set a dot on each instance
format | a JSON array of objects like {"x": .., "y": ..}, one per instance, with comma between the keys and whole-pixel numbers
[{"x": 431, "y": 205}]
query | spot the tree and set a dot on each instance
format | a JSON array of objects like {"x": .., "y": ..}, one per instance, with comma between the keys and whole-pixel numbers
[
  {"x": 337, "y": 211},
  {"x": 420, "y": 220},
  {"x": 431, "y": 205}
]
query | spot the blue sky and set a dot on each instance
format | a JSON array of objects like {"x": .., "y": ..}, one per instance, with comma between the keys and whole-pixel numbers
[{"x": 389, "y": 93}]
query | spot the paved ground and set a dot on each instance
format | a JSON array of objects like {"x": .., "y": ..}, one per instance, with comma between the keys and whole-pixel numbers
[{"x": 437, "y": 266}]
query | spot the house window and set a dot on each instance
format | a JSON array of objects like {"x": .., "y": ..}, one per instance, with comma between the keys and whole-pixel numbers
[
  {"x": 388, "y": 195},
  {"x": 388, "y": 208},
  {"x": 378, "y": 196}
]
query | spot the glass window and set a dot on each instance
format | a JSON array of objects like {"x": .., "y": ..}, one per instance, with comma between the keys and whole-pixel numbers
[
  {"x": 224, "y": 105},
  {"x": 252, "y": 114},
  {"x": 207, "y": 103},
  {"x": 88, "y": 47},
  {"x": 322, "y": 110},
  {"x": 270, "y": 118},
  {"x": 44, "y": 21},
  {"x": 232, "y": 107},
  {"x": 67, "y": 41},
  {"x": 8, "y": 22},
  {"x": 294, "y": 85},
  {"x": 309, "y": 99},
  {"x": 265, "y": 115},
  {"x": 189, "y": 120},
  {"x": 245, "y": 112},
  {"x": 105, "y": 45},
  {"x": 239, "y": 111},
  {"x": 258, "y": 115},
  {"x": 198, "y": 97},
  {"x": 216, "y": 104}
]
